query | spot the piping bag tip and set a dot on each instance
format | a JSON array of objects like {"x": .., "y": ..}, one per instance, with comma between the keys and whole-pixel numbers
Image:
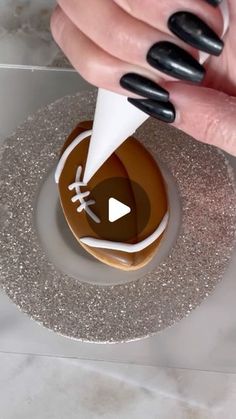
[{"x": 115, "y": 120}]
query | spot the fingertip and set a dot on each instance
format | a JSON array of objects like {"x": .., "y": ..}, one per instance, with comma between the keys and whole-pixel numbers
[{"x": 205, "y": 114}]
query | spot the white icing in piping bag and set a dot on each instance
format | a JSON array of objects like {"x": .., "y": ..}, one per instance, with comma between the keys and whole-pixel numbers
[{"x": 115, "y": 120}]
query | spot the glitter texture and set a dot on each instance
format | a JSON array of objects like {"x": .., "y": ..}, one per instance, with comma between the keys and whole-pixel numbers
[{"x": 129, "y": 311}]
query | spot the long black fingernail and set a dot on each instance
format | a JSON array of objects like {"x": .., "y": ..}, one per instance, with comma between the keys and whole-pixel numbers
[
  {"x": 214, "y": 2},
  {"x": 159, "y": 110},
  {"x": 191, "y": 29},
  {"x": 143, "y": 86},
  {"x": 175, "y": 61}
]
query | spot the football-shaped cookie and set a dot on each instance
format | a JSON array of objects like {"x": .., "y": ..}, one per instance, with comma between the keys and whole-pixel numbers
[{"x": 121, "y": 214}]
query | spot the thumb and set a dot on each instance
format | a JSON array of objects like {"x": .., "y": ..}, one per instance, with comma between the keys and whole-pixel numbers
[{"x": 205, "y": 114}]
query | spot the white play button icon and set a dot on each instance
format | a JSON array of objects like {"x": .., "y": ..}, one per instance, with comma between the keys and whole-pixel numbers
[{"x": 117, "y": 210}]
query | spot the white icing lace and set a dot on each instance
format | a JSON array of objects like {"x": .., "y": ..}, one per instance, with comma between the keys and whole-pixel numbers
[{"x": 84, "y": 205}]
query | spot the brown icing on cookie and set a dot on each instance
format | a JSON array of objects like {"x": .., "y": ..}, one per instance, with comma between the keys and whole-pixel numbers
[{"x": 131, "y": 176}]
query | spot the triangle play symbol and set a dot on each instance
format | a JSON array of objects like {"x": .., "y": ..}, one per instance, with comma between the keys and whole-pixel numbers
[{"x": 117, "y": 210}]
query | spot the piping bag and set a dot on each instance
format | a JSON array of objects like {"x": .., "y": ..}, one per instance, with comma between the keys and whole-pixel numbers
[{"x": 116, "y": 119}]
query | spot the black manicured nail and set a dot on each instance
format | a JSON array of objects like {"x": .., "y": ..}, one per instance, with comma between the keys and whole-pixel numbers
[
  {"x": 191, "y": 29},
  {"x": 163, "y": 111},
  {"x": 214, "y": 2},
  {"x": 175, "y": 61},
  {"x": 143, "y": 86}
]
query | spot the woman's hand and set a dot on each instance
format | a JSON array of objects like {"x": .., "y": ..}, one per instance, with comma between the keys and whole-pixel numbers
[{"x": 139, "y": 47}]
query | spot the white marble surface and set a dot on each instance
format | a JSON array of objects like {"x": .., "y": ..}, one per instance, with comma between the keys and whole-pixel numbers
[
  {"x": 41, "y": 387},
  {"x": 50, "y": 388},
  {"x": 25, "y": 38}
]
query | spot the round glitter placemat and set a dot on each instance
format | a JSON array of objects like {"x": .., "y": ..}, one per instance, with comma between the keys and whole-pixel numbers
[{"x": 142, "y": 307}]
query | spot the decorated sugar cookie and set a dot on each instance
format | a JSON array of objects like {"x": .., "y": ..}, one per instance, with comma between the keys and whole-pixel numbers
[{"x": 120, "y": 216}]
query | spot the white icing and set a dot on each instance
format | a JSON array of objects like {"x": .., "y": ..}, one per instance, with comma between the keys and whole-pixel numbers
[
  {"x": 67, "y": 152},
  {"x": 84, "y": 205},
  {"x": 127, "y": 247}
]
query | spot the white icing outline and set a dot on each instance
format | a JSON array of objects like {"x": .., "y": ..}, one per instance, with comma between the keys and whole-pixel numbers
[
  {"x": 127, "y": 247},
  {"x": 67, "y": 152}
]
